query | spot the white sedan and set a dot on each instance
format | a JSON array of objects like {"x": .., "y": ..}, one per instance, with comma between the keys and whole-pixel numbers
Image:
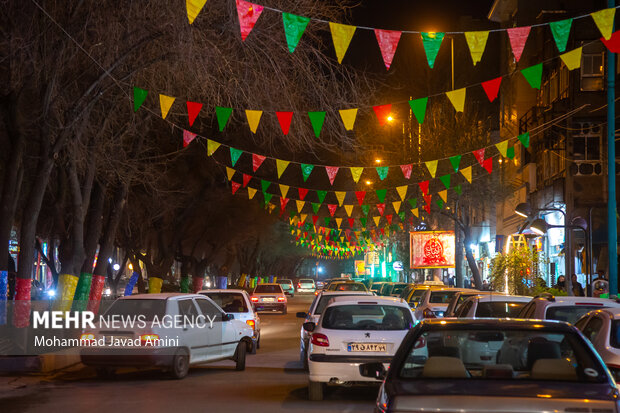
[
  {"x": 602, "y": 328},
  {"x": 351, "y": 331}
]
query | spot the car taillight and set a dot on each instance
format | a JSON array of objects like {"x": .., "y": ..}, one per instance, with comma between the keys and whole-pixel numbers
[
  {"x": 149, "y": 339},
  {"x": 428, "y": 314},
  {"x": 281, "y": 299},
  {"x": 298, "y": 285},
  {"x": 316, "y": 293},
  {"x": 251, "y": 323},
  {"x": 320, "y": 340},
  {"x": 254, "y": 299}
]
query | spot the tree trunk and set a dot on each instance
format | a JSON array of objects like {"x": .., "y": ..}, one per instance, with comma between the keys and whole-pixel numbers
[{"x": 471, "y": 260}]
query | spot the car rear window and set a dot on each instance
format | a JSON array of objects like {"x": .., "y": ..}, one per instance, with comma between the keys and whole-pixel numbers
[
  {"x": 306, "y": 281},
  {"x": 569, "y": 313},
  {"x": 229, "y": 302},
  {"x": 150, "y": 309},
  {"x": 367, "y": 317},
  {"x": 499, "y": 309},
  {"x": 285, "y": 282},
  {"x": 268, "y": 289},
  {"x": 376, "y": 286},
  {"x": 325, "y": 299},
  {"x": 441, "y": 297},
  {"x": 349, "y": 287},
  {"x": 398, "y": 288}
]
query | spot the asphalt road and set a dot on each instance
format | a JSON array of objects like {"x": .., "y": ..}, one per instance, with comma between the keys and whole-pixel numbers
[{"x": 272, "y": 382}]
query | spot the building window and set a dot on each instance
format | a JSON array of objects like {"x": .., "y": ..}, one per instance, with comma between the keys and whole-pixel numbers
[
  {"x": 592, "y": 67},
  {"x": 587, "y": 142}
]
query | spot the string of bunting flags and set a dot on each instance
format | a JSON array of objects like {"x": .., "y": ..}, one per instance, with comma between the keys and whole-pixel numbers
[{"x": 388, "y": 40}]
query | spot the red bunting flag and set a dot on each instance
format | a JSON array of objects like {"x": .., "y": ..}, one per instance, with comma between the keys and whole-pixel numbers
[
  {"x": 406, "y": 170},
  {"x": 360, "y": 196},
  {"x": 351, "y": 222},
  {"x": 235, "y": 186},
  {"x": 248, "y": 14},
  {"x": 382, "y": 232},
  {"x": 285, "y": 119},
  {"x": 283, "y": 202},
  {"x": 193, "y": 108},
  {"x": 187, "y": 137},
  {"x": 479, "y": 154},
  {"x": 383, "y": 112},
  {"x": 331, "y": 173},
  {"x": 246, "y": 179},
  {"x": 332, "y": 209},
  {"x": 518, "y": 37},
  {"x": 388, "y": 40},
  {"x": 424, "y": 187},
  {"x": 314, "y": 219},
  {"x": 428, "y": 199},
  {"x": 302, "y": 193},
  {"x": 381, "y": 208},
  {"x": 491, "y": 88},
  {"x": 389, "y": 219},
  {"x": 488, "y": 165},
  {"x": 613, "y": 44},
  {"x": 257, "y": 161},
  {"x": 427, "y": 208}
]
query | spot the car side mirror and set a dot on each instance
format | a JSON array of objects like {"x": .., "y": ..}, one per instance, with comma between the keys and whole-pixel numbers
[
  {"x": 309, "y": 326},
  {"x": 373, "y": 370},
  {"x": 301, "y": 314},
  {"x": 227, "y": 317}
]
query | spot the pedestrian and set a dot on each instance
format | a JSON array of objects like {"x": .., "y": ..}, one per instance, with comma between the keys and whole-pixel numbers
[
  {"x": 561, "y": 283},
  {"x": 577, "y": 287}
]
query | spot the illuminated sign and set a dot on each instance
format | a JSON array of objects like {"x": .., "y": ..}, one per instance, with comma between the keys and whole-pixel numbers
[
  {"x": 432, "y": 249},
  {"x": 360, "y": 269}
]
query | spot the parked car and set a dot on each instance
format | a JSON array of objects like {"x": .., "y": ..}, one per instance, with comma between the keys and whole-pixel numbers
[
  {"x": 397, "y": 288},
  {"x": 416, "y": 293},
  {"x": 458, "y": 299},
  {"x": 434, "y": 302},
  {"x": 335, "y": 280},
  {"x": 287, "y": 286},
  {"x": 602, "y": 328},
  {"x": 386, "y": 289},
  {"x": 269, "y": 297},
  {"x": 563, "y": 308},
  {"x": 319, "y": 285},
  {"x": 314, "y": 312},
  {"x": 347, "y": 286},
  {"x": 171, "y": 347},
  {"x": 375, "y": 287},
  {"x": 492, "y": 306},
  {"x": 238, "y": 303},
  {"x": 350, "y": 331},
  {"x": 306, "y": 285},
  {"x": 551, "y": 368}
]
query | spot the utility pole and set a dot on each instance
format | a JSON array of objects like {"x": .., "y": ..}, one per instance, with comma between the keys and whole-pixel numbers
[{"x": 612, "y": 226}]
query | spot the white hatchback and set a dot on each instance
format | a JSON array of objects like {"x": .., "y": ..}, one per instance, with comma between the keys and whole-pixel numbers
[
  {"x": 352, "y": 331},
  {"x": 434, "y": 302},
  {"x": 492, "y": 306},
  {"x": 563, "y": 308}
]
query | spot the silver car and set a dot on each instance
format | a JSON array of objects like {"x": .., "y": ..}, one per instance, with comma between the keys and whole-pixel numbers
[{"x": 602, "y": 328}]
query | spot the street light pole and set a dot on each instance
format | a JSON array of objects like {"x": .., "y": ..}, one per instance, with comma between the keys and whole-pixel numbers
[{"x": 612, "y": 226}]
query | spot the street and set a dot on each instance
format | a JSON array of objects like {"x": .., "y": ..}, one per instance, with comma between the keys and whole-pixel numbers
[{"x": 273, "y": 381}]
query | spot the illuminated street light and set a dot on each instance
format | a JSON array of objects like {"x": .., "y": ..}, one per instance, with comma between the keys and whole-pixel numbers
[
  {"x": 368, "y": 182},
  {"x": 524, "y": 209},
  {"x": 539, "y": 226},
  {"x": 390, "y": 118},
  {"x": 378, "y": 160}
]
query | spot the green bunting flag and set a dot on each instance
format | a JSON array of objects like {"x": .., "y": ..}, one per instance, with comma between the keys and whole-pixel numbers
[
  {"x": 458, "y": 189},
  {"x": 525, "y": 139},
  {"x": 139, "y": 96},
  {"x": 267, "y": 197},
  {"x": 365, "y": 209},
  {"x": 440, "y": 203},
  {"x": 317, "y": 119},
  {"x": 321, "y": 195},
  {"x": 510, "y": 153},
  {"x": 445, "y": 180},
  {"x": 381, "y": 194},
  {"x": 413, "y": 202},
  {"x": 363, "y": 222},
  {"x": 315, "y": 207},
  {"x": 533, "y": 75},
  {"x": 382, "y": 171},
  {"x": 264, "y": 185},
  {"x": 223, "y": 114},
  {"x": 455, "y": 161},
  {"x": 418, "y": 107},
  {"x": 432, "y": 43},
  {"x": 561, "y": 31},
  {"x": 326, "y": 219},
  {"x": 294, "y": 27},
  {"x": 306, "y": 170},
  {"x": 401, "y": 215},
  {"x": 234, "y": 155}
]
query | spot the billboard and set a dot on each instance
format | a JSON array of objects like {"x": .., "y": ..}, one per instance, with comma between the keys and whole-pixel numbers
[
  {"x": 360, "y": 269},
  {"x": 431, "y": 249}
]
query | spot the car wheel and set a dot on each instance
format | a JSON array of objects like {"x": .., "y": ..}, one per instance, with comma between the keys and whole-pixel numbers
[
  {"x": 258, "y": 342},
  {"x": 284, "y": 311},
  {"x": 180, "y": 364},
  {"x": 305, "y": 360},
  {"x": 253, "y": 348},
  {"x": 240, "y": 356},
  {"x": 105, "y": 372},
  {"x": 315, "y": 390}
]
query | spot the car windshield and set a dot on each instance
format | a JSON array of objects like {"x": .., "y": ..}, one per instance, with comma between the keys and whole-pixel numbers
[
  {"x": 285, "y": 282},
  {"x": 417, "y": 295},
  {"x": 504, "y": 354},
  {"x": 229, "y": 302},
  {"x": 150, "y": 309},
  {"x": 569, "y": 313},
  {"x": 367, "y": 317},
  {"x": 269, "y": 289},
  {"x": 499, "y": 309},
  {"x": 441, "y": 296},
  {"x": 398, "y": 288},
  {"x": 348, "y": 287},
  {"x": 325, "y": 300}
]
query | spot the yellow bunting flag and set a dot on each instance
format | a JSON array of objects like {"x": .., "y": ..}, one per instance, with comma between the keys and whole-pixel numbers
[
  {"x": 193, "y": 8},
  {"x": 338, "y": 222},
  {"x": 348, "y": 118},
  {"x": 320, "y": 237},
  {"x": 415, "y": 212},
  {"x": 253, "y": 118},
  {"x": 604, "y": 20},
  {"x": 376, "y": 219},
  {"x": 251, "y": 192},
  {"x": 300, "y": 205},
  {"x": 165, "y": 102},
  {"x": 349, "y": 209},
  {"x": 502, "y": 147},
  {"x": 402, "y": 191},
  {"x": 432, "y": 167},
  {"x": 396, "y": 205},
  {"x": 283, "y": 190},
  {"x": 341, "y": 35},
  {"x": 212, "y": 146},
  {"x": 230, "y": 172},
  {"x": 444, "y": 195},
  {"x": 303, "y": 217},
  {"x": 572, "y": 59},
  {"x": 476, "y": 41},
  {"x": 356, "y": 173},
  {"x": 467, "y": 173},
  {"x": 340, "y": 197},
  {"x": 457, "y": 97},
  {"x": 281, "y": 166}
]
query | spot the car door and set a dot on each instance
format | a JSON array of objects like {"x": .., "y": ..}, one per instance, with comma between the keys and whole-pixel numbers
[
  {"x": 592, "y": 328},
  {"x": 193, "y": 335},
  {"x": 213, "y": 329}
]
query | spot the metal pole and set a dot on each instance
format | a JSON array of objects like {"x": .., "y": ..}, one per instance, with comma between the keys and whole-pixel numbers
[
  {"x": 452, "y": 54},
  {"x": 612, "y": 228}
]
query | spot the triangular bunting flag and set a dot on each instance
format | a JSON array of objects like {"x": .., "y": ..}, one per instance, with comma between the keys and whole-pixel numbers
[
  {"x": 267, "y": 197},
  {"x": 230, "y": 173},
  {"x": 341, "y": 36},
  {"x": 572, "y": 59},
  {"x": 415, "y": 212},
  {"x": 427, "y": 208},
  {"x": 432, "y": 167},
  {"x": 444, "y": 194},
  {"x": 406, "y": 170},
  {"x": 317, "y": 119},
  {"x": 423, "y": 187},
  {"x": 294, "y": 27},
  {"x": 477, "y": 42},
  {"x": 413, "y": 202},
  {"x": 389, "y": 219},
  {"x": 457, "y": 98},
  {"x": 264, "y": 185},
  {"x": 338, "y": 222},
  {"x": 382, "y": 112},
  {"x": 223, "y": 114},
  {"x": 253, "y": 118},
  {"x": 479, "y": 155},
  {"x": 604, "y": 20},
  {"x": 440, "y": 203},
  {"x": 281, "y": 166},
  {"x": 314, "y": 219},
  {"x": 302, "y": 218},
  {"x": 348, "y": 118},
  {"x": 315, "y": 207},
  {"x": 248, "y": 15},
  {"x": 283, "y": 202},
  {"x": 283, "y": 190},
  {"x": 518, "y": 37},
  {"x": 193, "y": 9},
  {"x": 246, "y": 179},
  {"x": 402, "y": 191},
  {"x": 458, "y": 189},
  {"x": 381, "y": 194},
  {"x": 348, "y": 209},
  {"x": 533, "y": 75},
  {"x": 165, "y": 103},
  {"x": 376, "y": 219},
  {"x": 139, "y": 96},
  {"x": 212, "y": 147},
  {"x": 332, "y": 209},
  {"x": 502, "y": 147},
  {"x": 300, "y": 205},
  {"x": 302, "y": 193},
  {"x": 388, "y": 41},
  {"x": 488, "y": 165},
  {"x": 331, "y": 173},
  {"x": 321, "y": 195},
  {"x": 491, "y": 88},
  {"x": 356, "y": 173},
  {"x": 306, "y": 170},
  {"x": 360, "y": 196},
  {"x": 285, "y": 118},
  {"x": 467, "y": 173},
  {"x": 396, "y": 205},
  {"x": 431, "y": 42},
  {"x": 525, "y": 139},
  {"x": 613, "y": 44},
  {"x": 193, "y": 108},
  {"x": 251, "y": 192},
  {"x": 427, "y": 199},
  {"x": 418, "y": 107},
  {"x": 234, "y": 155},
  {"x": 365, "y": 209},
  {"x": 382, "y": 171},
  {"x": 257, "y": 161},
  {"x": 455, "y": 161},
  {"x": 510, "y": 153},
  {"x": 561, "y": 31},
  {"x": 351, "y": 222},
  {"x": 340, "y": 197},
  {"x": 326, "y": 220},
  {"x": 445, "y": 180},
  {"x": 188, "y": 137}
]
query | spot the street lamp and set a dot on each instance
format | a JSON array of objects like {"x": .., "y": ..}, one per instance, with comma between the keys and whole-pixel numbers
[{"x": 524, "y": 209}]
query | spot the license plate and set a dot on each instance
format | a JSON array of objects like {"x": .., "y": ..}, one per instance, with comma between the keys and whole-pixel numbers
[
  {"x": 377, "y": 347},
  {"x": 268, "y": 300}
]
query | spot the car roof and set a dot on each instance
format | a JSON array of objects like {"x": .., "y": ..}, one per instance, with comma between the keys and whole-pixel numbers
[
  {"x": 503, "y": 297},
  {"x": 222, "y": 290},
  {"x": 563, "y": 299},
  {"x": 268, "y": 284},
  {"x": 322, "y": 293},
  {"x": 446, "y": 288},
  {"x": 375, "y": 299},
  {"x": 502, "y": 323},
  {"x": 159, "y": 296}
]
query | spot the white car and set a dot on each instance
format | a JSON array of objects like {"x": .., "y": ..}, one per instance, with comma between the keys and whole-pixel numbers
[
  {"x": 238, "y": 303},
  {"x": 563, "y": 308},
  {"x": 269, "y": 297},
  {"x": 306, "y": 285},
  {"x": 434, "y": 302},
  {"x": 458, "y": 298},
  {"x": 492, "y": 306},
  {"x": 352, "y": 331},
  {"x": 602, "y": 328},
  {"x": 314, "y": 313},
  {"x": 171, "y": 331}
]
